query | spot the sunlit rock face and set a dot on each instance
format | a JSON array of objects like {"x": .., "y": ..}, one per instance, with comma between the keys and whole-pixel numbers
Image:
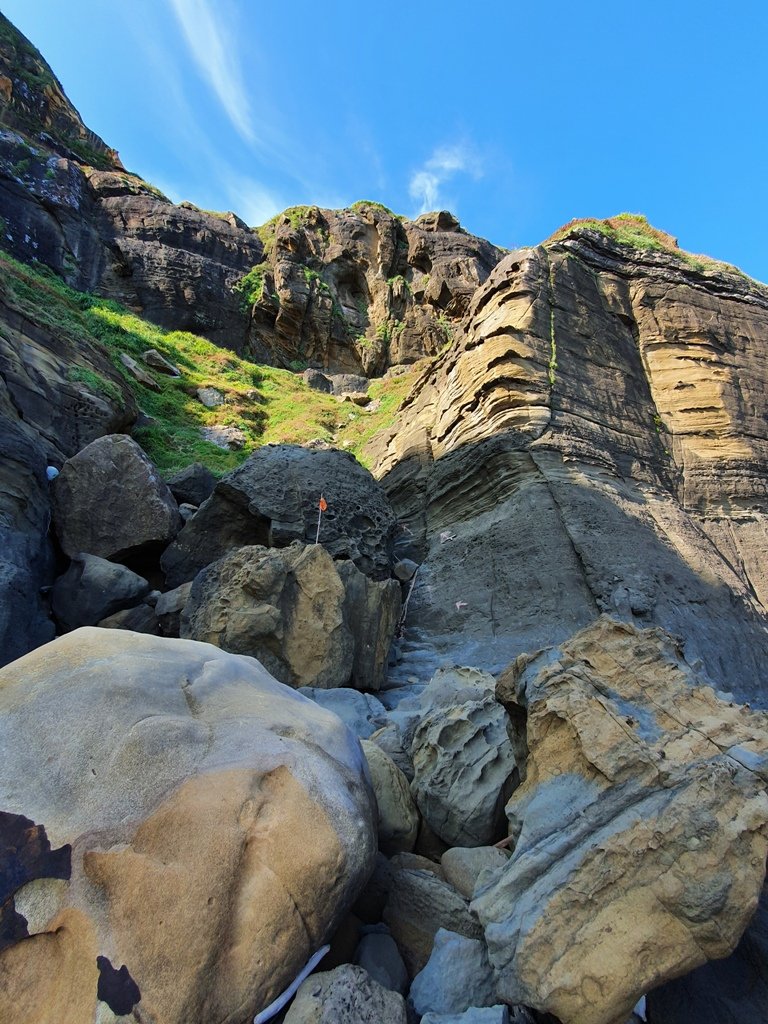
[{"x": 596, "y": 440}]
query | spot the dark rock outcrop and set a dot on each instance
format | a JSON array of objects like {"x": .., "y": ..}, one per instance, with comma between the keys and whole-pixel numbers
[
  {"x": 273, "y": 499},
  {"x": 88, "y": 518},
  {"x": 92, "y": 589}
]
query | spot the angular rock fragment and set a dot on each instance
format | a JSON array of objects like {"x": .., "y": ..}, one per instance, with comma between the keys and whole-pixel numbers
[{"x": 92, "y": 589}]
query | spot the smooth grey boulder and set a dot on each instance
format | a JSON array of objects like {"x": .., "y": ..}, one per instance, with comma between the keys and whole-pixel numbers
[
  {"x": 456, "y": 976},
  {"x": 110, "y": 501},
  {"x": 210, "y": 397},
  {"x": 273, "y": 498},
  {"x": 360, "y": 712},
  {"x": 94, "y": 588},
  {"x": 192, "y": 485},
  {"x": 346, "y": 995},
  {"x": 463, "y": 866},
  {"x": 377, "y": 953}
]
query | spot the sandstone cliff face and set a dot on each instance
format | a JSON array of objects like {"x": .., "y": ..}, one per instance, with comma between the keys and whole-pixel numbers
[{"x": 596, "y": 440}]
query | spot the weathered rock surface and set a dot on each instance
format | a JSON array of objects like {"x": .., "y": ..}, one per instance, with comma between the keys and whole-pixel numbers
[
  {"x": 642, "y": 821},
  {"x": 92, "y": 589},
  {"x": 398, "y": 816},
  {"x": 169, "y": 608},
  {"x": 141, "y": 619},
  {"x": 581, "y": 448},
  {"x": 191, "y": 486},
  {"x": 456, "y": 977},
  {"x": 88, "y": 518},
  {"x": 346, "y": 995},
  {"x": 26, "y": 553},
  {"x": 362, "y": 713},
  {"x": 463, "y": 866},
  {"x": 290, "y": 608},
  {"x": 372, "y": 612},
  {"x": 284, "y": 607},
  {"x": 729, "y": 991},
  {"x": 419, "y": 904},
  {"x": 477, "y": 1015},
  {"x": 463, "y": 767},
  {"x": 272, "y": 499},
  {"x": 168, "y": 832}
]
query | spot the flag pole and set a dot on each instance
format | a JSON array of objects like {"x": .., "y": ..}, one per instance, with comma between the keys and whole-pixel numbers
[{"x": 322, "y": 506}]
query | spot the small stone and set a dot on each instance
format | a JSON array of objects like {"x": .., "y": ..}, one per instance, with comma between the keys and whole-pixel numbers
[
  {"x": 139, "y": 374},
  {"x": 210, "y": 397},
  {"x": 187, "y": 511},
  {"x": 379, "y": 956},
  {"x": 158, "y": 362},
  {"x": 456, "y": 977},
  {"x": 405, "y": 569}
]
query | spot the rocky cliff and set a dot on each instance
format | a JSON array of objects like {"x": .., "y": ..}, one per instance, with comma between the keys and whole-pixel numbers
[
  {"x": 594, "y": 441},
  {"x": 544, "y": 612}
]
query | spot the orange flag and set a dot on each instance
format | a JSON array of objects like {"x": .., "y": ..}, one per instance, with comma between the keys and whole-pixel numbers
[{"x": 323, "y": 504}]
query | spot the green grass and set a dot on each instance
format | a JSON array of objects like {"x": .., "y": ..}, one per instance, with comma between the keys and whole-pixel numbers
[
  {"x": 363, "y": 204},
  {"x": 269, "y": 405},
  {"x": 634, "y": 229},
  {"x": 250, "y": 287}
]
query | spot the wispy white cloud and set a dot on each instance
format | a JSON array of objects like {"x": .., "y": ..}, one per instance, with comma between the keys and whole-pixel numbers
[
  {"x": 216, "y": 54},
  {"x": 426, "y": 184}
]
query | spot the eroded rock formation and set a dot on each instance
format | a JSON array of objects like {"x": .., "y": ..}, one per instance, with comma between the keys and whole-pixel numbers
[
  {"x": 175, "y": 875},
  {"x": 642, "y": 821}
]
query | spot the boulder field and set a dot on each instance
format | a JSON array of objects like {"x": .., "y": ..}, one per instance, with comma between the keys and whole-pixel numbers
[{"x": 477, "y": 732}]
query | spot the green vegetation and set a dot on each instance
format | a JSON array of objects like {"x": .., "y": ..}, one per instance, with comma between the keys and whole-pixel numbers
[
  {"x": 95, "y": 382},
  {"x": 250, "y": 287},
  {"x": 398, "y": 281},
  {"x": 361, "y": 204},
  {"x": 634, "y": 229},
  {"x": 268, "y": 405},
  {"x": 311, "y": 276}
]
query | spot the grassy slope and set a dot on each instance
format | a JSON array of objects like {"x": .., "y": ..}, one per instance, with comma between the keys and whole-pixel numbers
[{"x": 267, "y": 404}]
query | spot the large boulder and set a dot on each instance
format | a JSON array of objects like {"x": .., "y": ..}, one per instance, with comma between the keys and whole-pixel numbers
[
  {"x": 640, "y": 829},
  {"x": 273, "y": 499},
  {"x": 109, "y": 500},
  {"x": 192, "y": 485},
  {"x": 361, "y": 712},
  {"x": 284, "y": 607},
  {"x": 463, "y": 767},
  {"x": 456, "y": 976},
  {"x": 92, "y": 589},
  {"x": 295, "y": 609},
  {"x": 166, "y": 860},
  {"x": 26, "y": 552}
]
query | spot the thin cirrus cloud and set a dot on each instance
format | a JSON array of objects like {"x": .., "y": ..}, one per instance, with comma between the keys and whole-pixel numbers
[
  {"x": 426, "y": 183},
  {"x": 214, "y": 51}
]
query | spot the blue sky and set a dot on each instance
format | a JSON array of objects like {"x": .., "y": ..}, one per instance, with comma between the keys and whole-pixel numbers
[{"x": 517, "y": 116}]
